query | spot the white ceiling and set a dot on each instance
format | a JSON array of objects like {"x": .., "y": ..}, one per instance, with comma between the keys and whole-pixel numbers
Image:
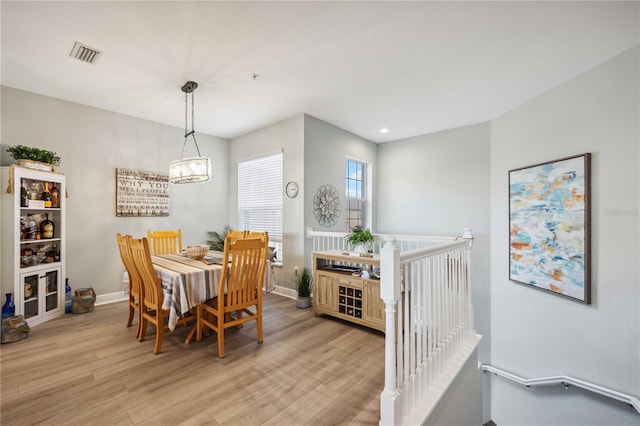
[{"x": 414, "y": 67}]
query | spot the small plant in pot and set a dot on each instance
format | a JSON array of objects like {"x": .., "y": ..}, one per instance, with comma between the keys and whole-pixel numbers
[
  {"x": 303, "y": 283},
  {"x": 361, "y": 239},
  {"x": 30, "y": 157}
]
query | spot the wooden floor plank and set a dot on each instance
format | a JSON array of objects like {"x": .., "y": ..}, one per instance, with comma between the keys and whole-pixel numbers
[{"x": 90, "y": 370}]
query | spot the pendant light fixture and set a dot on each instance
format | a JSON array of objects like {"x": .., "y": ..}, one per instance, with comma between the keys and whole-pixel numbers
[{"x": 195, "y": 169}]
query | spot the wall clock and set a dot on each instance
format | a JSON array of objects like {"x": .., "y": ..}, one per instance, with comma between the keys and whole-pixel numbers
[
  {"x": 326, "y": 206},
  {"x": 292, "y": 189}
]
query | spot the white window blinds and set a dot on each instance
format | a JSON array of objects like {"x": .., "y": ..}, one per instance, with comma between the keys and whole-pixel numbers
[{"x": 260, "y": 195}]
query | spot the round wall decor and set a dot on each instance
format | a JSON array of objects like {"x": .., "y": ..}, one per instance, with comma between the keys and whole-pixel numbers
[{"x": 326, "y": 205}]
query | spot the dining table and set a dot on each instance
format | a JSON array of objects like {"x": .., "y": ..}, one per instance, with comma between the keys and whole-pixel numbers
[{"x": 187, "y": 282}]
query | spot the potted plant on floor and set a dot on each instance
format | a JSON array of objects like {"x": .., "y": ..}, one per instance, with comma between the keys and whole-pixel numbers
[
  {"x": 361, "y": 239},
  {"x": 35, "y": 158},
  {"x": 303, "y": 283},
  {"x": 217, "y": 239}
]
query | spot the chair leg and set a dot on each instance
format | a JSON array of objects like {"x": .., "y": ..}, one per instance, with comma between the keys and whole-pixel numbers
[
  {"x": 143, "y": 327},
  {"x": 139, "y": 328},
  {"x": 259, "y": 328},
  {"x": 131, "y": 311},
  {"x": 199, "y": 313},
  {"x": 220, "y": 320},
  {"x": 159, "y": 335}
]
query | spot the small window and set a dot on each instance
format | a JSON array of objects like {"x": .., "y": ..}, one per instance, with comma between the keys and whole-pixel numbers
[
  {"x": 260, "y": 198},
  {"x": 356, "y": 193}
]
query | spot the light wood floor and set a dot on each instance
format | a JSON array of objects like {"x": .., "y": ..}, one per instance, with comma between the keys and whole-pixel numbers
[{"x": 90, "y": 370}]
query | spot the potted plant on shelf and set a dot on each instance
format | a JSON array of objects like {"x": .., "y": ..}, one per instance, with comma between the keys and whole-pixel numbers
[
  {"x": 361, "y": 239},
  {"x": 303, "y": 283},
  {"x": 35, "y": 158}
]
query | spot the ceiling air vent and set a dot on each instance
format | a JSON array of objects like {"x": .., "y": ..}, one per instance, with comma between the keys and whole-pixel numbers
[{"x": 85, "y": 53}]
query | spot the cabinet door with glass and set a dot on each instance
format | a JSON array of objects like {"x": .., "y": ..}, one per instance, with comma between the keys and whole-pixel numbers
[{"x": 40, "y": 293}]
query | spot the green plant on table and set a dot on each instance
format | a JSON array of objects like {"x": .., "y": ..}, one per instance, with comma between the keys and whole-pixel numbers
[{"x": 359, "y": 235}]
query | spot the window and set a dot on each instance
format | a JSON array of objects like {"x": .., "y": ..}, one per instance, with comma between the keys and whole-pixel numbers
[
  {"x": 260, "y": 198},
  {"x": 356, "y": 193}
]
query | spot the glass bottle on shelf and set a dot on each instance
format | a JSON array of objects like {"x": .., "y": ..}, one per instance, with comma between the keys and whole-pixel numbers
[
  {"x": 24, "y": 196},
  {"x": 55, "y": 196},
  {"x": 46, "y": 196},
  {"x": 34, "y": 191},
  {"x": 32, "y": 228},
  {"x": 46, "y": 227},
  {"x": 23, "y": 229},
  {"x": 54, "y": 253}
]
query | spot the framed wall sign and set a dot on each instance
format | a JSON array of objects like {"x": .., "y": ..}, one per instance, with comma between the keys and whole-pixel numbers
[
  {"x": 549, "y": 226},
  {"x": 142, "y": 193}
]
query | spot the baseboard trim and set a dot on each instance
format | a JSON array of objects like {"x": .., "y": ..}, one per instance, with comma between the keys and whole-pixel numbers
[
  {"x": 285, "y": 291},
  {"x": 104, "y": 299}
]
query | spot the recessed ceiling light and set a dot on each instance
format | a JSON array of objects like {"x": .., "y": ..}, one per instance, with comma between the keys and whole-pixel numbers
[{"x": 384, "y": 130}]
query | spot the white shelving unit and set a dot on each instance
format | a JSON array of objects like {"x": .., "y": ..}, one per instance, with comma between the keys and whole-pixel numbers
[{"x": 38, "y": 289}]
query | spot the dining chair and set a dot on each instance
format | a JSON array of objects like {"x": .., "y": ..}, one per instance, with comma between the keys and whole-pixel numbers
[
  {"x": 165, "y": 242},
  {"x": 135, "y": 294},
  {"x": 152, "y": 295},
  {"x": 235, "y": 234},
  {"x": 239, "y": 291}
]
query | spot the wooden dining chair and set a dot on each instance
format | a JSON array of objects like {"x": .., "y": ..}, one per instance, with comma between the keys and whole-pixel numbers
[
  {"x": 165, "y": 242},
  {"x": 239, "y": 291},
  {"x": 235, "y": 234},
  {"x": 152, "y": 295},
  {"x": 135, "y": 293}
]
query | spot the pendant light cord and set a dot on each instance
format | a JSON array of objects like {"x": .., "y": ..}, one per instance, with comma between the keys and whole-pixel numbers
[{"x": 192, "y": 133}]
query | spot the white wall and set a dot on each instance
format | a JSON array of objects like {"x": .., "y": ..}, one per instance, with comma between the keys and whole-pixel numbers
[
  {"x": 287, "y": 137},
  {"x": 326, "y": 149},
  {"x": 92, "y": 144},
  {"x": 534, "y": 333},
  {"x": 437, "y": 184}
]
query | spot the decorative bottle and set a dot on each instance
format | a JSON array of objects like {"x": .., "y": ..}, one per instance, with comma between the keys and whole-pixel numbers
[
  {"x": 24, "y": 196},
  {"x": 34, "y": 191},
  {"x": 55, "y": 196},
  {"x": 8, "y": 309},
  {"x": 46, "y": 195},
  {"x": 46, "y": 227},
  {"x": 32, "y": 228},
  {"x": 67, "y": 296},
  {"x": 54, "y": 253}
]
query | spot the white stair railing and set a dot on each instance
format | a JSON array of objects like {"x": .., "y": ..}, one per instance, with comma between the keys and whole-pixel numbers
[
  {"x": 429, "y": 325},
  {"x": 429, "y": 334}
]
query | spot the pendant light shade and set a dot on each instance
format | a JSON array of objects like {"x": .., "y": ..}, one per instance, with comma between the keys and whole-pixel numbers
[
  {"x": 190, "y": 170},
  {"x": 194, "y": 169}
]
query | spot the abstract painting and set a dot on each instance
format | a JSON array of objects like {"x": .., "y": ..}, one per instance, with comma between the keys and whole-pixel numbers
[{"x": 549, "y": 228}]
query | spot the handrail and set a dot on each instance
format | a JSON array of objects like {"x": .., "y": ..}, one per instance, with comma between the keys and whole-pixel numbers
[{"x": 566, "y": 381}]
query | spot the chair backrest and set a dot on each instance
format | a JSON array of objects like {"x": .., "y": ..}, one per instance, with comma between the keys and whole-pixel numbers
[
  {"x": 135, "y": 285},
  {"x": 241, "y": 282},
  {"x": 265, "y": 235},
  {"x": 235, "y": 234},
  {"x": 165, "y": 242},
  {"x": 151, "y": 285}
]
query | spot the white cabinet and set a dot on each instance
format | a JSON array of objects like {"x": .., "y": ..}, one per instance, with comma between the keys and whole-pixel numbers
[{"x": 33, "y": 260}]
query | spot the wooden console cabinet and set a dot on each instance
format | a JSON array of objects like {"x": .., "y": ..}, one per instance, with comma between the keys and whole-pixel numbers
[{"x": 338, "y": 293}]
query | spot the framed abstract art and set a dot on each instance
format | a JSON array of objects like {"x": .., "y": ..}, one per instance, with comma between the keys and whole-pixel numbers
[{"x": 549, "y": 227}]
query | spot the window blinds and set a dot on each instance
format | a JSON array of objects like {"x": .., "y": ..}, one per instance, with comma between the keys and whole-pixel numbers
[{"x": 260, "y": 195}]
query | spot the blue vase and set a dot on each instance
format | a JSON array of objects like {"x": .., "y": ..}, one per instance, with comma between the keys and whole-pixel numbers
[{"x": 8, "y": 309}]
